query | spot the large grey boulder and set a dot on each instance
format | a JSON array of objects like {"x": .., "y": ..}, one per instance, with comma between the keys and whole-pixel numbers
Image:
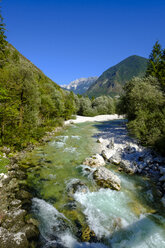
[
  {"x": 115, "y": 159},
  {"x": 94, "y": 161},
  {"x": 127, "y": 167},
  {"x": 106, "y": 179}
]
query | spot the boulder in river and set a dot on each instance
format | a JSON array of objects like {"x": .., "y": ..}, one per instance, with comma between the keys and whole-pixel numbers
[
  {"x": 94, "y": 161},
  {"x": 75, "y": 185},
  {"x": 106, "y": 179},
  {"x": 111, "y": 143},
  {"x": 106, "y": 154},
  {"x": 115, "y": 159},
  {"x": 127, "y": 167}
]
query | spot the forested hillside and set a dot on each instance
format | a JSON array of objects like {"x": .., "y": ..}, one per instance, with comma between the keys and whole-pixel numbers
[
  {"x": 30, "y": 103},
  {"x": 111, "y": 82},
  {"x": 143, "y": 102}
]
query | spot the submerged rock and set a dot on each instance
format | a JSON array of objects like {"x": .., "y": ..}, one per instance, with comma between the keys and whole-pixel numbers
[
  {"x": 106, "y": 179},
  {"x": 88, "y": 235},
  {"x": 75, "y": 185},
  {"x": 95, "y": 161}
]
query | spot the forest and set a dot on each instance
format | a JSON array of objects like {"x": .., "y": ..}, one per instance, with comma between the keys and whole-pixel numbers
[
  {"x": 31, "y": 103},
  {"x": 143, "y": 102}
]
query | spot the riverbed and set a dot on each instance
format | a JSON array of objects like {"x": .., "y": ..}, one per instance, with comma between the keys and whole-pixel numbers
[{"x": 92, "y": 217}]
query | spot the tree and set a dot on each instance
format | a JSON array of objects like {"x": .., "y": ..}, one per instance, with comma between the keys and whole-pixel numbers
[
  {"x": 156, "y": 64},
  {"x": 3, "y": 42}
]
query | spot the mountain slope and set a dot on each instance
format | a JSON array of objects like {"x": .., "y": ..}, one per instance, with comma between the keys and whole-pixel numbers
[
  {"x": 30, "y": 102},
  {"x": 81, "y": 85},
  {"x": 113, "y": 79}
]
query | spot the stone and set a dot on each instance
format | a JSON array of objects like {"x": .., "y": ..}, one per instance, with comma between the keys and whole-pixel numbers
[
  {"x": 75, "y": 185},
  {"x": 163, "y": 201},
  {"x": 31, "y": 231},
  {"x": 15, "y": 240},
  {"x": 162, "y": 179},
  {"x": 106, "y": 179},
  {"x": 162, "y": 170},
  {"x": 95, "y": 161},
  {"x": 6, "y": 150},
  {"x": 126, "y": 166},
  {"x": 111, "y": 143},
  {"x": 100, "y": 140},
  {"x": 115, "y": 159},
  {"x": 106, "y": 154}
]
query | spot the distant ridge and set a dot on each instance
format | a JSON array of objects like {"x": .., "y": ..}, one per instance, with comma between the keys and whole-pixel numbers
[
  {"x": 81, "y": 85},
  {"x": 113, "y": 79}
]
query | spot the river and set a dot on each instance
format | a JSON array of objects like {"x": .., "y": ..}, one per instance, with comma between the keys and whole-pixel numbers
[{"x": 92, "y": 217}]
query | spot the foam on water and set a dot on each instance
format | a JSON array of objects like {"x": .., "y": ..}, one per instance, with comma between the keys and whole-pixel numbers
[
  {"x": 109, "y": 215},
  {"x": 104, "y": 208},
  {"x": 70, "y": 149},
  {"x": 75, "y": 137},
  {"x": 51, "y": 223}
]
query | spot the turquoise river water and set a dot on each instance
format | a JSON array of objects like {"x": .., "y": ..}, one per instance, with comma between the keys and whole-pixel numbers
[{"x": 94, "y": 217}]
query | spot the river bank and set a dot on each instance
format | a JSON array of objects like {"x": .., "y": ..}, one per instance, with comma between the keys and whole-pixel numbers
[
  {"x": 18, "y": 229},
  {"x": 54, "y": 166}
]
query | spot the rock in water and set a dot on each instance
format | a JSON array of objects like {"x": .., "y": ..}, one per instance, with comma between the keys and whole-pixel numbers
[
  {"x": 75, "y": 185},
  {"x": 127, "y": 167},
  {"x": 106, "y": 179},
  {"x": 111, "y": 143},
  {"x": 95, "y": 161},
  {"x": 100, "y": 140}
]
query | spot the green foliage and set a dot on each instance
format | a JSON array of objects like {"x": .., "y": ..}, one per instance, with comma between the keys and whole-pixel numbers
[
  {"x": 3, "y": 163},
  {"x": 30, "y": 103},
  {"x": 103, "y": 105},
  {"x": 144, "y": 104},
  {"x": 3, "y": 42},
  {"x": 156, "y": 64},
  {"x": 113, "y": 79},
  {"x": 95, "y": 106}
]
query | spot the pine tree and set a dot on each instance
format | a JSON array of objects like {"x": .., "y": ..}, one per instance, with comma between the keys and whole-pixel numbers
[
  {"x": 156, "y": 64},
  {"x": 3, "y": 42}
]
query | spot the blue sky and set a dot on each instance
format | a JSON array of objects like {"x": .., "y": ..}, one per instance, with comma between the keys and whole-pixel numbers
[{"x": 69, "y": 39}]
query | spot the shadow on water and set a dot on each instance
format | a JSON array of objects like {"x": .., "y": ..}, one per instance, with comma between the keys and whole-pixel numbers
[
  {"x": 115, "y": 128},
  {"x": 141, "y": 232}
]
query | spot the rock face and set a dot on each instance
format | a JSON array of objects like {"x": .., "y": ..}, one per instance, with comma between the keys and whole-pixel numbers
[
  {"x": 15, "y": 229},
  {"x": 106, "y": 179},
  {"x": 95, "y": 161}
]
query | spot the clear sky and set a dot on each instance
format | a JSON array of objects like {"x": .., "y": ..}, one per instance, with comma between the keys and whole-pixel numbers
[{"x": 69, "y": 39}]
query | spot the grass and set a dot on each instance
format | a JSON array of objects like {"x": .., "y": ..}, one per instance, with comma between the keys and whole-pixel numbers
[{"x": 3, "y": 163}]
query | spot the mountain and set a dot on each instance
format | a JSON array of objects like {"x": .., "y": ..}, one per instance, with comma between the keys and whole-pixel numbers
[
  {"x": 81, "y": 85},
  {"x": 113, "y": 79},
  {"x": 30, "y": 102}
]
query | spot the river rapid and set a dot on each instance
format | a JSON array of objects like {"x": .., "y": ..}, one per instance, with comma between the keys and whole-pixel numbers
[{"x": 92, "y": 216}]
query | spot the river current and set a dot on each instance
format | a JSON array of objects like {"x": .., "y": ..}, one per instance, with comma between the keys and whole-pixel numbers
[{"x": 93, "y": 217}]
